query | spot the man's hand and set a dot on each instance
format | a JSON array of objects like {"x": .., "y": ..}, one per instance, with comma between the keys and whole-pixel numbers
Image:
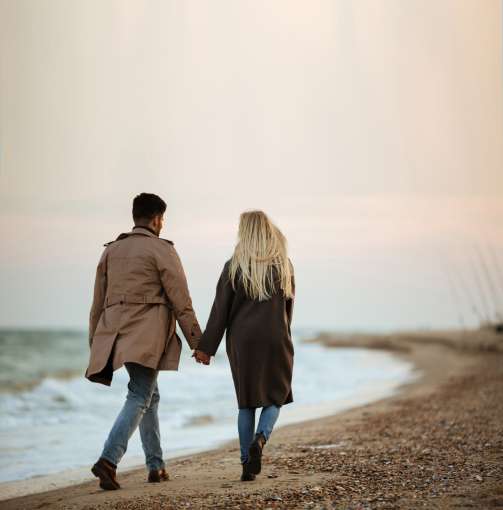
[{"x": 201, "y": 357}]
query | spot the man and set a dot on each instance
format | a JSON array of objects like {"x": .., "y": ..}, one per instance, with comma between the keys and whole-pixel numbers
[{"x": 139, "y": 294}]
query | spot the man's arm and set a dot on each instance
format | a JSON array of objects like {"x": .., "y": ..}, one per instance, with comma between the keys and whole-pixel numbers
[
  {"x": 176, "y": 288},
  {"x": 100, "y": 290}
]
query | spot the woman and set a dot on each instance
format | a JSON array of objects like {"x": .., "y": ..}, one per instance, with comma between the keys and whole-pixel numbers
[{"x": 254, "y": 304}]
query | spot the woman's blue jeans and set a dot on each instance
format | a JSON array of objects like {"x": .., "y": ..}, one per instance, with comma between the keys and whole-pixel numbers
[
  {"x": 140, "y": 409},
  {"x": 246, "y": 426}
]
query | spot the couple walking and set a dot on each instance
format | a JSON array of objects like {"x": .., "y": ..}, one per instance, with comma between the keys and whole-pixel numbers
[{"x": 140, "y": 294}]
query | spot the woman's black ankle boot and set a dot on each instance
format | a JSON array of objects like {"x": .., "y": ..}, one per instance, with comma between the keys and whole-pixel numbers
[
  {"x": 247, "y": 476},
  {"x": 255, "y": 454}
]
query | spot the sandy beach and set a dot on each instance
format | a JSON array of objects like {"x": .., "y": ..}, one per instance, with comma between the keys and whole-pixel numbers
[{"x": 438, "y": 443}]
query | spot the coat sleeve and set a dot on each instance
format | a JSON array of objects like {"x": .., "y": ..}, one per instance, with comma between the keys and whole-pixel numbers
[
  {"x": 175, "y": 286},
  {"x": 218, "y": 320},
  {"x": 289, "y": 302},
  {"x": 100, "y": 290}
]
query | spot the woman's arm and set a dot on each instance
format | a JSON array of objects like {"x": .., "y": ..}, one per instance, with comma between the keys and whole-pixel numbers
[
  {"x": 289, "y": 302},
  {"x": 218, "y": 320}
]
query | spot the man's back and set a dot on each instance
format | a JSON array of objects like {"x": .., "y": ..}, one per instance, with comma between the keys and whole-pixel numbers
[
  {"x": 140, "y": 293},
  {"x": 134, "y": 263}
]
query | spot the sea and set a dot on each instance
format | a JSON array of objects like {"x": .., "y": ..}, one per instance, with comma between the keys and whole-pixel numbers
[{"x": 53, "y": 420}]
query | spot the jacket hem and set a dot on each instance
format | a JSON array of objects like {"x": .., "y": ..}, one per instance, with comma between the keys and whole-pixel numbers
[{"x": 266, "y": 403}]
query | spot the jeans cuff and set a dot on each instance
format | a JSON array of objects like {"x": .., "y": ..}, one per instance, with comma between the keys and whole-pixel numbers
[
  {"x": 109, "y": 458},
  {"x": 262, "y": 433},
  {"x": 156, "y": 466}
]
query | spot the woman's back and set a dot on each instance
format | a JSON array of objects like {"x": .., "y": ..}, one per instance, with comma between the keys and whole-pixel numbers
[
  {"x": 272, "y": 315},
  {"x": 254, "y": 305}
]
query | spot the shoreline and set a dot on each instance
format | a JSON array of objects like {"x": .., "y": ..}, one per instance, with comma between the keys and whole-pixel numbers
[
  {"x": 291, "y": 415},
  {"x": 210, "y": 479}
]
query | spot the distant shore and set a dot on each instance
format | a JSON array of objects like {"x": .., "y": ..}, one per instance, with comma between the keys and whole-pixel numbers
[
  {"x": 474, "y": 341},
  {"x": 438, "y": 443}
]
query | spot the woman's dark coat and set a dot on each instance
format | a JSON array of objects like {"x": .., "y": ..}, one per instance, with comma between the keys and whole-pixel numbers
[{"x": 258, "y": 342}]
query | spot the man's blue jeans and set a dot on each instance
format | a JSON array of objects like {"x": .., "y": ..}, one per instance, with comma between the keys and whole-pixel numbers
[
  {"x": 140, "y": 409},
  {"x": 246, "y": 426}
]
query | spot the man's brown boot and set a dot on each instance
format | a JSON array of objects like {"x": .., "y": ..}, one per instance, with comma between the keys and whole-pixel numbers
[
  {"x": 157, "y": 475},
  {"x": 105, "y": 471}
]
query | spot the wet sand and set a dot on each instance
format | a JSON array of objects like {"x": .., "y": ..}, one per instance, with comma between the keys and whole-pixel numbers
[{"x": 438, "y": 443}]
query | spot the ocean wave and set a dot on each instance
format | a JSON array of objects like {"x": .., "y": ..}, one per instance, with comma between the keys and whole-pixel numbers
[
  {"x": 30, "y": 384},
  {"x": 201, "y": 420},
  {"x": 30, "y": 357}
]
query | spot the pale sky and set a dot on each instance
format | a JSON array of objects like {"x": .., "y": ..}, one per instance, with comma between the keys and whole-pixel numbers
[{"x": 371, "y": 131}]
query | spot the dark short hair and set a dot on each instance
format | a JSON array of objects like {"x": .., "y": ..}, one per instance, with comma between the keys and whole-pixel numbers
[{"x": 147, "y": 205}]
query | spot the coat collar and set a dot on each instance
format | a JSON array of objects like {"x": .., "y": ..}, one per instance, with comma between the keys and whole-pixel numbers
[{"x": 144, "y": 230}]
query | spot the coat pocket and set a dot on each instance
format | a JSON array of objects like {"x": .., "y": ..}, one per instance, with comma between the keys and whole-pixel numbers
[{"x": 170, "y": 339}]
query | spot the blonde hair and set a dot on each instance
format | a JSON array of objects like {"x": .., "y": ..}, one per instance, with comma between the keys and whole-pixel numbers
[{"x": 261, "y": 248}]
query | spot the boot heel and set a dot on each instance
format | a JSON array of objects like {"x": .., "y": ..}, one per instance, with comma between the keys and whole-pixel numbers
[{"x": 247, "y": 476}]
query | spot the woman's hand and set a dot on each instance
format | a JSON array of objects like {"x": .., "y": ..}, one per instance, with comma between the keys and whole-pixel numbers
[{"x": 201, "y": 357}]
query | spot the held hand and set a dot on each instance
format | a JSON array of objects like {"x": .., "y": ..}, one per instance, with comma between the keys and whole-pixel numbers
[{"x": 201, "y": 357}]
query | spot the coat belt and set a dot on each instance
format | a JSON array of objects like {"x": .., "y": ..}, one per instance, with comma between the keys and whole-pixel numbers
[{"x": 122, "y": 299}]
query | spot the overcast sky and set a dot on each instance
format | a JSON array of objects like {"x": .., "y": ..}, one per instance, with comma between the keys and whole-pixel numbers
[{"x": 371, "y": 131}]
